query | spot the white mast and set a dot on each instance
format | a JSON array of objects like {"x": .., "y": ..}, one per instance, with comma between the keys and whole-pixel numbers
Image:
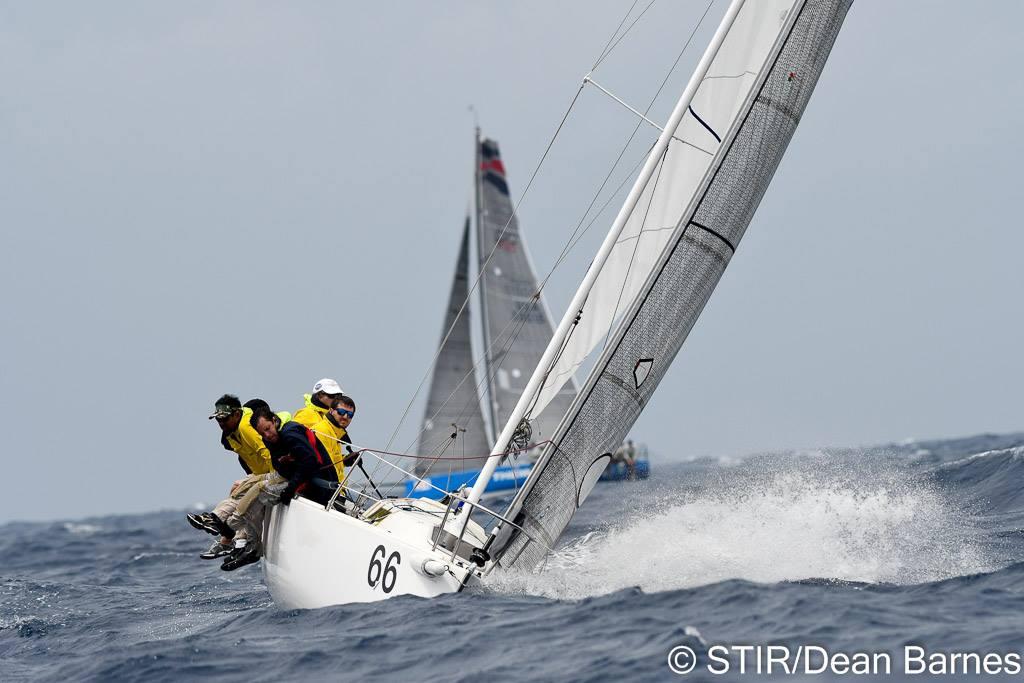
[{"x": 602, "y": 255}]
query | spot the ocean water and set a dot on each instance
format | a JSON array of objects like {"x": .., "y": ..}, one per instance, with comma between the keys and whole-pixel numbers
[{"x": 919, "y": 545}]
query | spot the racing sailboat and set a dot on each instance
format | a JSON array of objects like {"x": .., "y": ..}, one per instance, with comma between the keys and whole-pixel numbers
[
  {"x": 515, "y": 326},
  {"x": 664, "y": 254}
]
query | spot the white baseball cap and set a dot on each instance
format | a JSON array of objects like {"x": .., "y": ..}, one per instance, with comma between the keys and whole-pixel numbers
[{"x": 328, "y": 386}]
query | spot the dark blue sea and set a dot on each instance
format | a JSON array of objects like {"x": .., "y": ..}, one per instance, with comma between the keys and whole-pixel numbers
[{"x": 827, "y": 553}]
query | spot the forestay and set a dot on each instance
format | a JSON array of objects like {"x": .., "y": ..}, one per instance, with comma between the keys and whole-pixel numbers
[
  {"x": 676, "y": 245},
  {"x": 453, "y": 404},
  {"x": 517, "y": 325}
]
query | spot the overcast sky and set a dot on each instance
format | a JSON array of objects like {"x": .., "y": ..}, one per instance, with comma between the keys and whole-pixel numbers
[{"x": 200, "y": 197}]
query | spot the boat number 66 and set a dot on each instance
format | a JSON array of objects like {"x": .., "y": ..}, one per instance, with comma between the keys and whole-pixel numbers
[{"x": 388, "y": 571}]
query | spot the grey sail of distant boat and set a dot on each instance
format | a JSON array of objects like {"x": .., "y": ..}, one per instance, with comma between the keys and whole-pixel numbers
[
  {"x": 516, "y": 328},
  {"x": 673, "y": 239},
  {"x": 517, "y": 324},
  {"x": 453, "y": 404}
]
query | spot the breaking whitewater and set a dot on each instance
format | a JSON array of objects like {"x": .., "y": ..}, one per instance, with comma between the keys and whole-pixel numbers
[{"x": 915, "y": 545}]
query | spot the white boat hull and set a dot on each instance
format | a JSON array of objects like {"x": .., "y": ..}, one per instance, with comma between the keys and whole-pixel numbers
[{"x": 314, "y": 557}]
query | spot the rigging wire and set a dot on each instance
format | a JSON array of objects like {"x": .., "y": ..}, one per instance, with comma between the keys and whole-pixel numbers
[
  {"x": 608, "y": 50},
  {"x": 604, "y": 50}
]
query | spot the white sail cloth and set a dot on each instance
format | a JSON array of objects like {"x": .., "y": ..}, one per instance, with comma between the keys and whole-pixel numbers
[{"x": 664, "y": 200}]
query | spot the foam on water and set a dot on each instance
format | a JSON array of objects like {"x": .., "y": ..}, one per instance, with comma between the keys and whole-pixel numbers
[{"x": 809, "y": 521}]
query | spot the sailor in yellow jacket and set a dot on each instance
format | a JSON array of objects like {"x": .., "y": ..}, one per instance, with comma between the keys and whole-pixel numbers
[
  {"x": 253, "y": 455},
  {"x": 325, "y": 393},
  {"x": 339, "y": 418},
  {"x": 321, "y": 416},
  {"x": 238, "y": 436}
]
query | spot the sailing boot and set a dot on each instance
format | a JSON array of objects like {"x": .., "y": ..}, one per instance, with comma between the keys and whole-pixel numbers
[
  {"x": 242, "y": 555},
  {"x": 216, "y": 550},
  {"x": 204, "y": 522}
]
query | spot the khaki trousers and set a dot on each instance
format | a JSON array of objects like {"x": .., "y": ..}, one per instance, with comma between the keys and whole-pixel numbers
[
  {"x": 252, "y": 506},
  {"x": 226, "y": 507}
]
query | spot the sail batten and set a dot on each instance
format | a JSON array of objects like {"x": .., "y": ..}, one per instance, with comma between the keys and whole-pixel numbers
[{"x": 778, "y": 49}]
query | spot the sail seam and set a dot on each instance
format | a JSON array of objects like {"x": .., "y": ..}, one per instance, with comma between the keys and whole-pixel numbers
[
  {"x": 705, "y": 124},
  {"x": 779, "y": 107},
  {"x": 710, "y": 231}
]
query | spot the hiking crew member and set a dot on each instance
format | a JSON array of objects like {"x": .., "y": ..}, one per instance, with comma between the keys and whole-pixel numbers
[
  {"x": 320, "y": 415},
  {"x": 341, "y": 417},
  {"x": 301, "y": 464},
  {"x": 325, "y": 393},
  {"x": 238, "y": 436},
  {"x": 331, "y": 430}
]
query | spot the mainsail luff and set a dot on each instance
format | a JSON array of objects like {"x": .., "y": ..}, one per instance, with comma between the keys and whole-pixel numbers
[
  {"x": 453, "y": 397},
  {"x": 660, "y": 317}
]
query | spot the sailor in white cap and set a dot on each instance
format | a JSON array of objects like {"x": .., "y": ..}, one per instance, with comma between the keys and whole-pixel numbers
[{"x": 325, "y": 392}]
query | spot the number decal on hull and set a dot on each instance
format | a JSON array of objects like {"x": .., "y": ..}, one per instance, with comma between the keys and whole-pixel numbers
[{"x": 388, "y": 571}]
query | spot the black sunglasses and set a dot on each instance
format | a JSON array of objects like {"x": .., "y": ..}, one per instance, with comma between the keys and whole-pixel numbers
[{"x": 345, "y": 413}]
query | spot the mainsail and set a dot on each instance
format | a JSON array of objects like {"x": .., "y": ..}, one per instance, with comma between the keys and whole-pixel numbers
[
  {"x": 677, "y": 242},
  {"x": 453, "y": 404},
  {"x": 517, "y": 325}
]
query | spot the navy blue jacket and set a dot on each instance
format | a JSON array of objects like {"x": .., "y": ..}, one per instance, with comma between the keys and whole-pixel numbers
[{"x": 299, "y": 457}]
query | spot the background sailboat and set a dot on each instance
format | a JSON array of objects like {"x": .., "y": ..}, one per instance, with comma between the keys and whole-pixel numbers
[{"x": 466, "y": 401}]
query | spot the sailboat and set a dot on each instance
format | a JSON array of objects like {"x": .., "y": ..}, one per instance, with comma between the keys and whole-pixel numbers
[
  {"x": 665, "y": 252},
  {"x": 515, "y": 326}
]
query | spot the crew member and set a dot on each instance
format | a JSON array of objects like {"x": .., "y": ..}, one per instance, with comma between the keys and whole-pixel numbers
[
  {"x": 239, "y": 437},
  {"x": 301, "y": 465},
  {"x": 626, "y": 454},
  {"x": 325, "y": 393},
  {"x": 332, "y": 431}
]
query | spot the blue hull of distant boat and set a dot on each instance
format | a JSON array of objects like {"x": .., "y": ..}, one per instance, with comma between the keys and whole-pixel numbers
[
  {"x": 617, "y": 471},
  {"x": 505, "y": 478},
  {"x": 508, "y": 478}
]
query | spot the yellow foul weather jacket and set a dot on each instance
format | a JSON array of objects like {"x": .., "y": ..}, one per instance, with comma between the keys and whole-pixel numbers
[
  {"x": 248, "y": 444},
  {"x": 329, "y": 435}
]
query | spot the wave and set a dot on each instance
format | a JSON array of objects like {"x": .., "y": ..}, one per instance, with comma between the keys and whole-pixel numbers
[
  {"x": 809, "y": 520},
  {"x": 990, "y": 479}
]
